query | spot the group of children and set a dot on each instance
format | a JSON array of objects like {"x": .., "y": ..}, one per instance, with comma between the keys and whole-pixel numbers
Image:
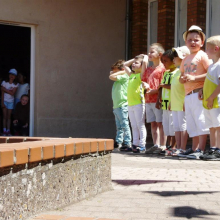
[
  {"x": 179, "y": 95},
  {"x": 15, "y": 99}
]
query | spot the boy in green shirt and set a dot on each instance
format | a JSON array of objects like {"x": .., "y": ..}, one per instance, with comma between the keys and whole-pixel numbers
[{"x": 120, "y": 106}]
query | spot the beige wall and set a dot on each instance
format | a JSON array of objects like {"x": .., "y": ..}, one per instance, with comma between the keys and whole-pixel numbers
[{"x": 76, "y": 43}]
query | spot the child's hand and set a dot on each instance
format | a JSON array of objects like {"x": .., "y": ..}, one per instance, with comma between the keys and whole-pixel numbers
[
  {"x": 209, "y": 102},
  {"x": 189, "y": 78},
  {"x": 169, "y": 106},
  {"x": 160, "y": 86},
  {"x": 200, "y": 94},
  {"x": 25, "y": 126},
  {"x": 145, "y": 85},
  {"x": 111, "y": 72},
  {"x": 15, "y": 121},
  {"x": 158, "y": 104}
]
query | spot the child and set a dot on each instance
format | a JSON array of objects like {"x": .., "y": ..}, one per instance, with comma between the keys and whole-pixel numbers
[
  {"x": 21, "y": 116},
  {"x": 153, "y": 76},
  {"x": 211, "y": 98},
  {"x": 193, "y": 71},
  {"x": 177, "y": 102},
  {"x": 136, "y": 107},
  {"x": 8, "y": 89},
  {"x": 171, "y": 70},
  {"x": 120, "y": 105},
  {"x": 23, "y": 87}
]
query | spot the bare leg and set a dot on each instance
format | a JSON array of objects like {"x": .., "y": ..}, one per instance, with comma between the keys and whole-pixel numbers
[
  {"x": 155, "y": 133},
  {"x": 213, "y": 137},
  {"x": 184, "y": 138},
  {"x": 218, "y": 137},
  {"x": 202, "y": 141},
  {"x": 173, "y": 142},
  {"x": 195, "y": 143},
  {"x": 4, "y": 110},
  {"x": 163, "y": 138},
  {"x": 9, "y": 118},
  {"x": 178, "y": 139}
]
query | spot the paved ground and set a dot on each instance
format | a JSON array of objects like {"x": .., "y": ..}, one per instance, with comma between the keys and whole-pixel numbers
[{"x": 155, "y": 187}]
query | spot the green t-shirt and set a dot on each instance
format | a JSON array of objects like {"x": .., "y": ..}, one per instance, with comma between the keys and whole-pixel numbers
[
  {"x": 135, "y": 90},
  {"x": 166, "y": 93},
  {"x": 177, "y": 93},
  {"x": 119, "y": 91},
  {"x": 211, "y": 83}
]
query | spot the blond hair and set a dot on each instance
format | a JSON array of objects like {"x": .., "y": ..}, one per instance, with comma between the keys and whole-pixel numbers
[
  {"x": 214, "y": 40},
  {"x": 158, "y": 47}
]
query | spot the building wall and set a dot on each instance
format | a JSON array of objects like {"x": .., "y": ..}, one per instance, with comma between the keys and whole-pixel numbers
[{"x": 76, "y": 43}]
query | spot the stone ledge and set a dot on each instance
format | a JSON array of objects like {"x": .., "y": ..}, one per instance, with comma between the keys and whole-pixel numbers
[{"x": 22, "y": 150}]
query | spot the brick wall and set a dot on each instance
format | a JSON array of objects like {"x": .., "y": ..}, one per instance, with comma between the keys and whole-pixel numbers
[
  {"x": 166, "y": 23},
  {"x": 139, "y": 17},
  {"x": 196, "y": 13}
]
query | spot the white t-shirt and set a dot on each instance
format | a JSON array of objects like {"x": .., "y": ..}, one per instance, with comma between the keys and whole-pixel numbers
[
  {"x": 22, "y": 89},
  {"x": 7, "y": 85}
]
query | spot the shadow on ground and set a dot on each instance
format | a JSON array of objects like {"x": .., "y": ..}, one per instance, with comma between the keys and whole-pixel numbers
[
  {"x": 190, "y": 212},
  {"x": 179, "y": 193},
  {"x": 141, "y": 182}
]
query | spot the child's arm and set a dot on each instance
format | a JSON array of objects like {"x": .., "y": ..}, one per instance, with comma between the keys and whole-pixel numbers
[
  {"x": 158, "y": 103},
  {"x": 113, "y": 76},
  {"x": 211, "y": 98},
  {"x": 10, "y": 92},
  {"x": 191, "y": 78},
  {"x": 126, "y": 66},
  {"x": 144, "y": 65},
  {"x": 165, "y": 86}
]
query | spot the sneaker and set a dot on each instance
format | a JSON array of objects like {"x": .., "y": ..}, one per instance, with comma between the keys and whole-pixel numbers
[
  {"x": 140, "y": 150},
  {"x": 9, "y": 133},
  {"x": 186, "y": 153},
  {"x": 116, "y": 145},
  {"x": 195, "y": 155},
  {"x": 213, "y": 156},
  {"x": 128, "y": 149},
  {"x": 208, "y": 153},
  {"x": 178, "y": 151},
  {"x": 163, "y": 152},
  {"x": 151, "y": 150},
  {"x": 159, "y": 150},
  {"x": 124, "y": 147},
  {"x": 134, "y": 148}
]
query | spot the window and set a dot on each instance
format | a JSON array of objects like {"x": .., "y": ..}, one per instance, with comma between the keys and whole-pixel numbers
[{"x": 180, "y": 21}]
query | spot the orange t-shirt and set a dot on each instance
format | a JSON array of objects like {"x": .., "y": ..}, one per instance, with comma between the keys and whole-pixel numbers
[
  {"x": 153, "y": 77},
  {"x": 195, "y": 64}
]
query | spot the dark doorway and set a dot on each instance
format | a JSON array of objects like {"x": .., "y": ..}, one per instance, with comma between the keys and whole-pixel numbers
[{"x": 15, "y": 46}]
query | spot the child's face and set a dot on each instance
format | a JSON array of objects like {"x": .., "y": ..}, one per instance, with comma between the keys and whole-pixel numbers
[
  {"x": 210, "y": 50},
  {"x": 167, "y": 62},
  {"x": 194, "y": 42},
  {"x": 24, "y": 100},
  {"x": 12, "y": 77},
  {"x": 136, "y": 65},
  {"x": 153, "y": 54},
  {"x": 20, "y": 78},
  {"x": 177, "y": 61}
]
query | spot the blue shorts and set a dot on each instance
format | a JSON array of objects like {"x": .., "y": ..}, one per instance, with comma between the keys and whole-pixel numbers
[{"x": 9, "y": 105}]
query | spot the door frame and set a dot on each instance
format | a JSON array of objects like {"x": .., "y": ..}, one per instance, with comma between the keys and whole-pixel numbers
[{"x": 32, "y": 71}]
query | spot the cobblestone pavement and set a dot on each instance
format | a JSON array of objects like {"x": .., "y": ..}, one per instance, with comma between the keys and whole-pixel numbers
[{"x": 155, "y": 187}]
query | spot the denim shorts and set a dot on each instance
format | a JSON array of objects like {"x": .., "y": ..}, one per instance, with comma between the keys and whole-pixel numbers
[{"x": 9, "y": 105}]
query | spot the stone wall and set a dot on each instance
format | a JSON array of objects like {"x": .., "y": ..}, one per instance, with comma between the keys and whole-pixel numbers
[{"x": 30, "y": 188}]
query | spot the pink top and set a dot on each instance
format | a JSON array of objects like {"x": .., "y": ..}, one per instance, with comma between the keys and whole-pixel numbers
[
  {"x": 195, "y": 64},
  {"x": 153, "y": 77}
]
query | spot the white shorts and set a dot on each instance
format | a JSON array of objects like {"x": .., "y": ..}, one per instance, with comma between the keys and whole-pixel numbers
[
  {"x": 168, "y": 123},
  {"x": 212, "y": 117},
  {"x": 152, "y": 113},
  {"x": 195, "y": 119},
  {"x": 179, "y": 121}
]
